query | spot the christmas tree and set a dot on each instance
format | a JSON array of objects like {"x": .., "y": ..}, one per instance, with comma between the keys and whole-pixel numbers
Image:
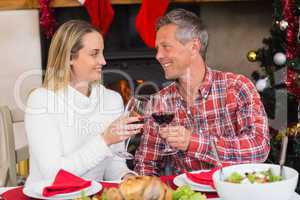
[{"x": 280, "y": 78}]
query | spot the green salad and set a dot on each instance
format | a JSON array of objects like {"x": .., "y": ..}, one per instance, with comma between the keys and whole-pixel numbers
[
  {"x": 254, "y": 177},
  {"x": 186, "y": 193}
]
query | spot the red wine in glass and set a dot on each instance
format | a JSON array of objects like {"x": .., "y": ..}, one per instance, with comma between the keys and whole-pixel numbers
[
  {"x": 163, "y": 114},
  {"x": 163, "y": 118}
]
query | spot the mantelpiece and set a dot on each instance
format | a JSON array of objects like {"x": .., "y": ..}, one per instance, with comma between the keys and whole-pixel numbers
[{"x": 32, "y": 4}]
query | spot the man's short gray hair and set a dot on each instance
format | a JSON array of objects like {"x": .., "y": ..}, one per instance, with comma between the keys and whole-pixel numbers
[{"x": 189, "y": 27}]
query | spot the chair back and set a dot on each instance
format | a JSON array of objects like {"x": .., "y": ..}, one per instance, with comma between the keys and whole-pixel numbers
[{"x": 4, "y": 161}]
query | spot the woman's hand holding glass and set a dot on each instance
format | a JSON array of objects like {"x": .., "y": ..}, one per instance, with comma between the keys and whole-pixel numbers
[
  {"x": 135, "y": 109},
  {"x": 121, "y": 129}
]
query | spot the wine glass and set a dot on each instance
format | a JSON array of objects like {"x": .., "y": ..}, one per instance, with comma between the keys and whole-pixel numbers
[
  {"x": 163, "y": 112},
  {"x": 136, "y": 107}
]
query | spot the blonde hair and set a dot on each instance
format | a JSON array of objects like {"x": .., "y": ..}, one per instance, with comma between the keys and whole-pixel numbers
[{"x": 65, "y": 44}]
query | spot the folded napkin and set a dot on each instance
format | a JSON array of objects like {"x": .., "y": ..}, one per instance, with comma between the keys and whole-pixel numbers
[
  {"x": 204, "y": 178},
  {"x": 65, "y": 182}
]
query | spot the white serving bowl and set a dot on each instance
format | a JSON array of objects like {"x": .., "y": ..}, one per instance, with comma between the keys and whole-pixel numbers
[{"x": 281, "y": 190}]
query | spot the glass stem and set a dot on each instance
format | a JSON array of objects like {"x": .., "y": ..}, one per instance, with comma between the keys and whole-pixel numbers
[{"x": 127, "y": 144}]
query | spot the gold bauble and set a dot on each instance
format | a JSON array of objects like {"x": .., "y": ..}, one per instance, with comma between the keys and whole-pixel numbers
[{"x": 252, "y": 56}]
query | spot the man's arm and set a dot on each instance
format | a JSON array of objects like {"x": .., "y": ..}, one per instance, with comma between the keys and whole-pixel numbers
[{"x": 251, "y": 140}]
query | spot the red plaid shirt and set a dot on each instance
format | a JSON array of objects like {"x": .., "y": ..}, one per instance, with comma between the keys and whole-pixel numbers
[{"x": 228, "y": 110}]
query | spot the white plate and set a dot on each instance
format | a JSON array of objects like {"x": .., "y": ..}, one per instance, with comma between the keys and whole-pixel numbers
[
  {"x": 35, "y": 191},
  {"x": 181, "y": 180}
]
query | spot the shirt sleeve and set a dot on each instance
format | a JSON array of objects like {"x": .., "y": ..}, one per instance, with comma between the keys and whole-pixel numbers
[
  {"x": 250, "y": 142},
  {"x": 45, "y": 145}
]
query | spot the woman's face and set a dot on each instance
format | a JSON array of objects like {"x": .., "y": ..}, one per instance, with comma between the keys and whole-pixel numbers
[{"x": 87, "y": 65}]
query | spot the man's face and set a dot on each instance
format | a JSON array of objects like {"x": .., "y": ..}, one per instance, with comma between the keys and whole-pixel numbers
[{"x": 174, "y": 57}]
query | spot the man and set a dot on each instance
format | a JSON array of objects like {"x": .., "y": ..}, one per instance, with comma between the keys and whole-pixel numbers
[{"x": 211, "y": 106}]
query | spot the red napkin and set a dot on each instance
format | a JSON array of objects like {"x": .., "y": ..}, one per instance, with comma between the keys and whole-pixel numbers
[
  {"x": 204, "y": 178},
  {"x": 65, "y": 182}
]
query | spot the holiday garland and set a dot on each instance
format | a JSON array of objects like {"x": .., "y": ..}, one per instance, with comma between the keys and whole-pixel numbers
[
  {"x": 292, "y": 46},
  {"x": 47, "y": 20}
]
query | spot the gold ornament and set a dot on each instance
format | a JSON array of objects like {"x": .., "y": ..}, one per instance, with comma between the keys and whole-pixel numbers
[
  {"x": 252, "y": 56},
  {"x": 294, "y": 130}
]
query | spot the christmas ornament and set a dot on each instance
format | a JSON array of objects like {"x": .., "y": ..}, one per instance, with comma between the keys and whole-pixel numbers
[
  {"x": 47, "y": 20},
  {"x": 252, "y": 56},
  {"x": 291, "y": 131},
  {"x": 279, "y": 59},
  {"x": 100, "y": 12},
  {"x": 147, "y": 17},
  {"x": 262, "y": 84},
  {"x": 283, "y": 25}
]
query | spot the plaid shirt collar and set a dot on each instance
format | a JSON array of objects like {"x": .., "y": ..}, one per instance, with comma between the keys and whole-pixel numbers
[
  {"x": 207, "y": 82},
  {"x": 204, "y": 88}
]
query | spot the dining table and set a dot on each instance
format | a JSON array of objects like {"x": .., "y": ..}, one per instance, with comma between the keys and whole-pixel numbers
[{"x": 15, "y": 193}]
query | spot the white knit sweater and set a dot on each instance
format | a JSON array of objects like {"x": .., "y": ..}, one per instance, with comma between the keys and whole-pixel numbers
[{"x": 64, "y": 131}]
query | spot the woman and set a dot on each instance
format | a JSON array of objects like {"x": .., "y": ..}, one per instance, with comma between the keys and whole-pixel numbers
[{"x": 73, "y": 122}]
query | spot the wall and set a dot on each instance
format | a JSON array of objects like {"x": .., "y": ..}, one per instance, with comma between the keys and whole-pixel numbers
[
  {"x": 234, "y": 29},
  {"x": 20, "y": 57}
]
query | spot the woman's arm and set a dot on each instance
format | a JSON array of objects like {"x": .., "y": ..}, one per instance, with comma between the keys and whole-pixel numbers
[{"x": 46, "y": 145}]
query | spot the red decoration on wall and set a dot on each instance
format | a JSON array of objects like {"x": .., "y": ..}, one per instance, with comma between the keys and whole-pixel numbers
[
  {"x": 147, "y": 17},
  {"x": 293, "y": 83},
  {"x": 101, "y": 13},
  {"x": 292, "y": 79},
  {"x": 47, "y": 20}
]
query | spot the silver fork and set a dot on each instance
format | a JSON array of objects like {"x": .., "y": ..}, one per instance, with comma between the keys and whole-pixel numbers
[
  {"x": 284, "y": 145},
  {"x": 214, "y": 149}
]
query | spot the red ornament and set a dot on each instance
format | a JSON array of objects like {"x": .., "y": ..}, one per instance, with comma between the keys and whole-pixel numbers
[
  {"x": 47, "y": 20},
  {"x": 292, "y": 78}
]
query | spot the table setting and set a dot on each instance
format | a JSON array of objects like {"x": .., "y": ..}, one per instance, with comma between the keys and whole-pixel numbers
[
  {"x": 215, "y": 184},
  {"x": 201, "y": 182}
]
